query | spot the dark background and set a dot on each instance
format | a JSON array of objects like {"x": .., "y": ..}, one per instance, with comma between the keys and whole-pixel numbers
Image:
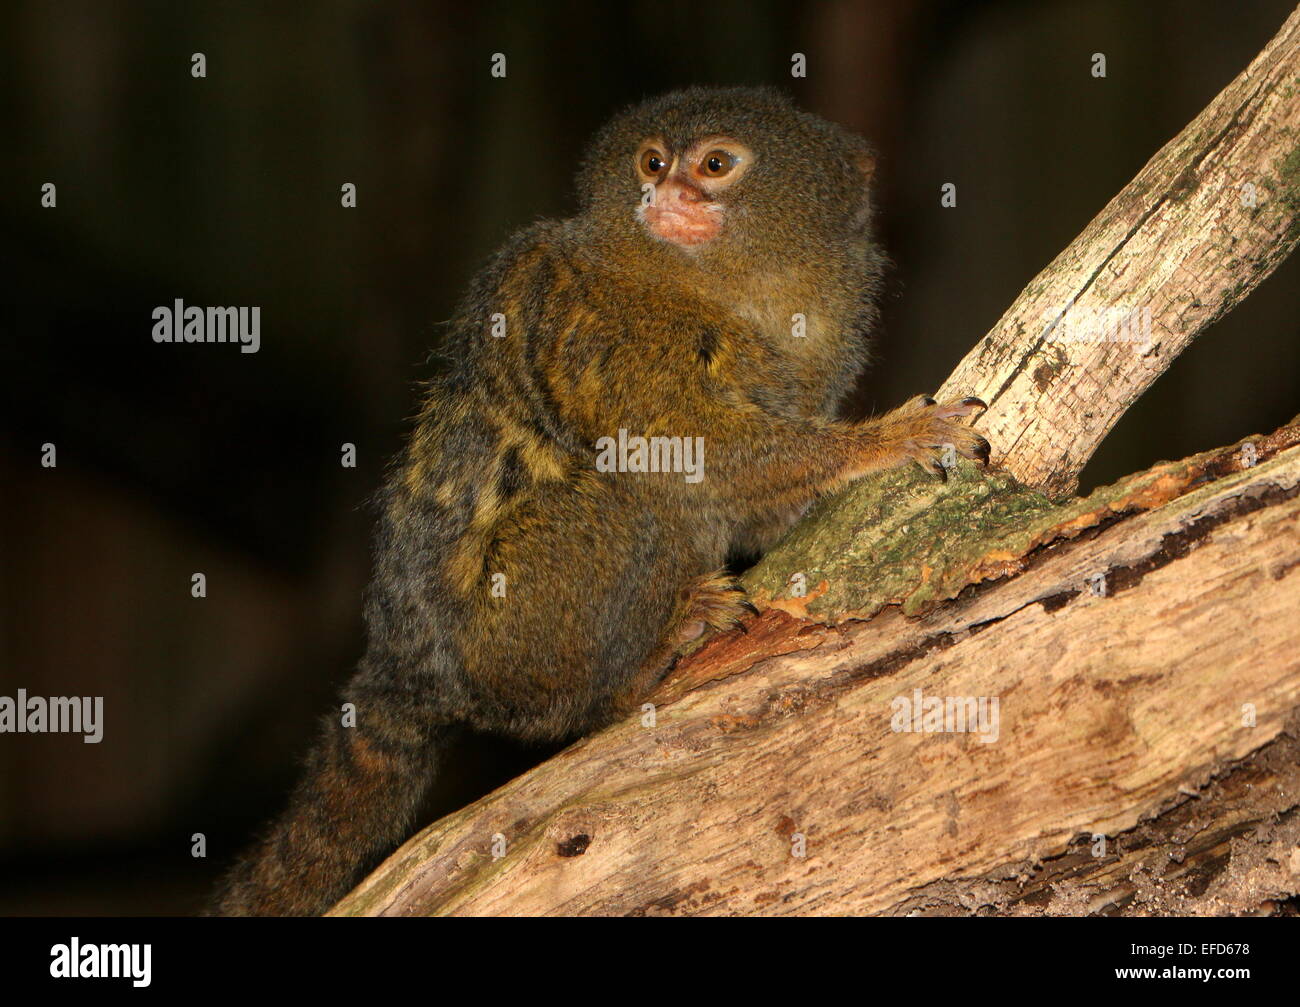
[{"x": 225, "y": 190}]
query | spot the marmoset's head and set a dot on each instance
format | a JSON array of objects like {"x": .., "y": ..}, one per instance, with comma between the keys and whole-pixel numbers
[{"x": 728, "y": 173}]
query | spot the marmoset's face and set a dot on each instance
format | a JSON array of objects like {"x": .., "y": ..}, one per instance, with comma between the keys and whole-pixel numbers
[{"x": 684, "y": 190}]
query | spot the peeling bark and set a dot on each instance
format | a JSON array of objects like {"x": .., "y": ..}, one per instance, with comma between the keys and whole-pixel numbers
[{"x": 910, "y": 541}]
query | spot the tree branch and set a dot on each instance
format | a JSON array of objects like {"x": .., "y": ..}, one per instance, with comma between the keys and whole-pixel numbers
[{"x": 1208, "y": 218}]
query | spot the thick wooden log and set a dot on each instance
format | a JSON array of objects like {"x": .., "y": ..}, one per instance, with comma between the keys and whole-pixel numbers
[{"x": 1137, "y": 653}]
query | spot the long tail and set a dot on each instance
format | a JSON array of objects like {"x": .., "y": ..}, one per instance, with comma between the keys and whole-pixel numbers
[{"x": 355, "y": 803}]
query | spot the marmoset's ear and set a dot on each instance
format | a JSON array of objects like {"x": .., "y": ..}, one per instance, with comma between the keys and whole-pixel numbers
[{"x": 864, "y": 159}]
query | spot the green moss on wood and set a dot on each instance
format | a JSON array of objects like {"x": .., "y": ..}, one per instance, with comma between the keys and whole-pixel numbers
[{"x": 904, "y": 538}]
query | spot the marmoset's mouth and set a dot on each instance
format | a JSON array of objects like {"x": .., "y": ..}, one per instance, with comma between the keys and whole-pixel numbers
[{"x": 683, "y": 223}]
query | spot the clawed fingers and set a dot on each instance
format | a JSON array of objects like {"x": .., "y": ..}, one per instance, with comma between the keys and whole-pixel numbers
[{"x": 962, "y": 407}]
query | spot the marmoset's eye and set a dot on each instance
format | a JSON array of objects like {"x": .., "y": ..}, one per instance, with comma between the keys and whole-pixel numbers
[
  {"x": 717, "y": 163},
  {"x": 652, "y": 162}
]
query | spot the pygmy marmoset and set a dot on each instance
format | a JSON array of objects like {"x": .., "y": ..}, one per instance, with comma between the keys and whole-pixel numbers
[{"x": 718, "y": 282}]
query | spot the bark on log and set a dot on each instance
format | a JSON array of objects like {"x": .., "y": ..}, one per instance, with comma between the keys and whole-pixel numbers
[{"x": 1142, "y": 643}]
